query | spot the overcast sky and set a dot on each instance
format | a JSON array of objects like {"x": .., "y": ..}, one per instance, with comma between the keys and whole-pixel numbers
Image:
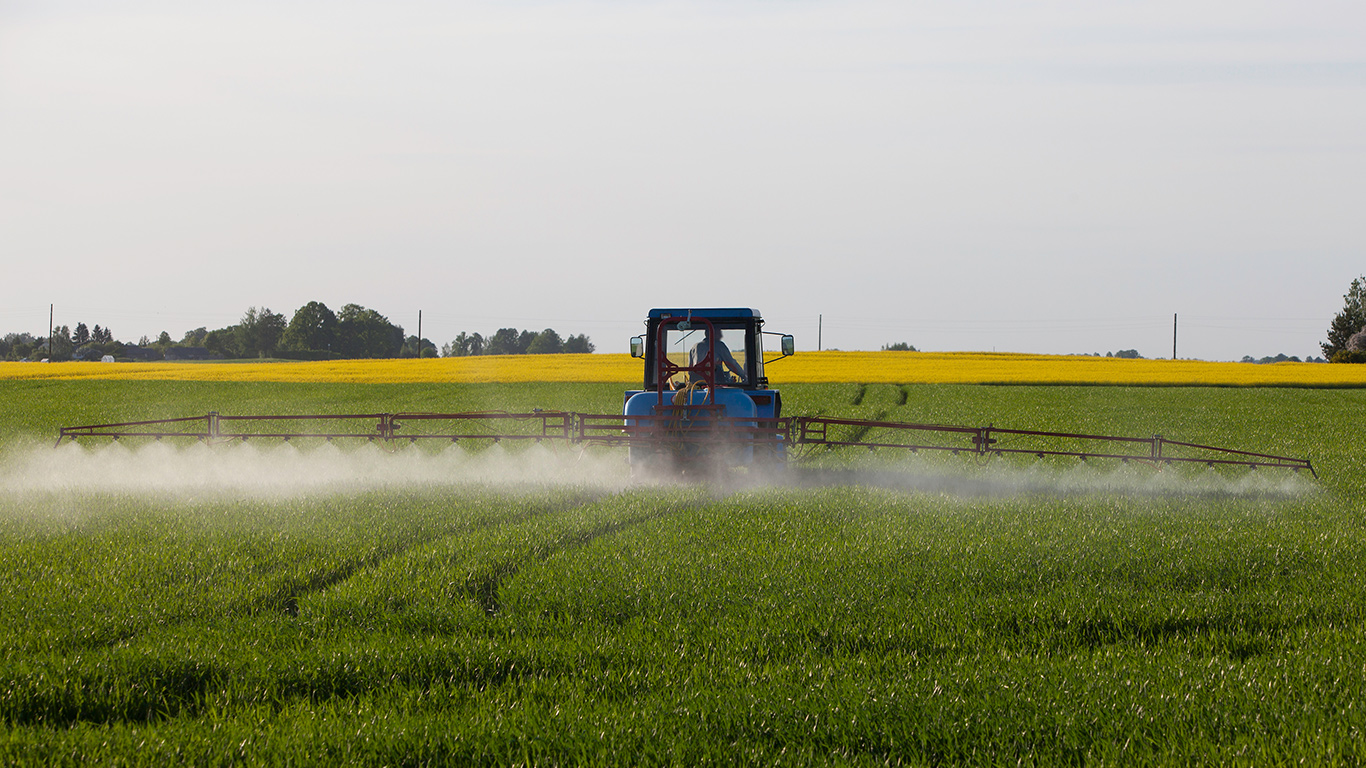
[{"x": 1027, "y": 176}]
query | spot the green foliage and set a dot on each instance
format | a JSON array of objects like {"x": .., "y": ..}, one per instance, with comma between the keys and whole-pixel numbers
[
  {"x": 547, "y": 342},
  {"x": 365, "y": 333},
  {"x": 313, "y": 327},
  {"x": 1351, "y": 320},
  {"x": 576, "y": 345},
  {"x": 900, "y": 346},
  {"x": 259, "y": 332},
  {"x": 1349, "y": 356},
  {"x": 224, "y": 341},
  {"x": 510, "y": 341},
  {"x": 464, "y": 345}
]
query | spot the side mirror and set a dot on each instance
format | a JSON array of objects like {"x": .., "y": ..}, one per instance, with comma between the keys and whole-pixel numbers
[
  {"x": 789, "y": 346},
  {"x": 637, "y": 346}
]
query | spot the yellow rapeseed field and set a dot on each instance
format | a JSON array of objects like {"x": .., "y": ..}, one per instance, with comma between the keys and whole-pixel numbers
[{"x": 813, "y": 367}]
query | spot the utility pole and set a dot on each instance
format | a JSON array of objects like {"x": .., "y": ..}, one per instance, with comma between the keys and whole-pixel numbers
[
  {"x": 1173, "y": 335},
  {"x": 819, "y": 322},
  {"x": 49, "y": 331},
  {"x": 419, "y": 334}
]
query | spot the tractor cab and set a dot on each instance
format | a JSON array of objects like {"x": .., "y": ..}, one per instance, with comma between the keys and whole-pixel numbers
[{"x": 677, "y": 343}]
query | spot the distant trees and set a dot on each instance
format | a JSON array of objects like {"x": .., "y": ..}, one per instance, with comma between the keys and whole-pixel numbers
[
  {"x": 223, "y": 342},
  {"x": 578, "y": 345},
  {"x": 313, "y": 327},
  {"x": 313, "y": 332},
  {"x": 413, "y": 345},
  {"x": 18, "y": 346},
  {"x": 365, "y": 333},
  {"x": 900, "y": 346},
  {"x": 259, "y": 332},
  {"x": 510, "y": 341},
  {"x": 547, "y": 342},
  {"x": 1346, "y": 325},
  {"x": 464, "y": 345},
  {"x": 59, "y": 347}
]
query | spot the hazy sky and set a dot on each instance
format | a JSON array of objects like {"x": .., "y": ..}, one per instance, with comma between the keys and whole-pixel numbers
[{"x": 1024, "y": 176}]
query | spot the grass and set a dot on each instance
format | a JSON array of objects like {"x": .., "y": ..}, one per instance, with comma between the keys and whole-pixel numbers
[{"x": 589, "y": 623}]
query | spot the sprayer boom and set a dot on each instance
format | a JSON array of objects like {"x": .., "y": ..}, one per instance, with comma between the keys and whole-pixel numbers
[{"x": 698, "y": 430}]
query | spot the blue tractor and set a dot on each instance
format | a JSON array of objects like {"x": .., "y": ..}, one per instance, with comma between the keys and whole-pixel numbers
[{"x": 706, "y": 403}]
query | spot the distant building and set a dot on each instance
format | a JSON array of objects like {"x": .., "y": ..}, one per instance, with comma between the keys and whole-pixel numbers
[
  {"x": 188, "y": 353},
  {"x": 140, "y": 353}
]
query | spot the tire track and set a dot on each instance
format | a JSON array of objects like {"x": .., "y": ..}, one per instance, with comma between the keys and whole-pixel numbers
[
  {"x": 286, "y": 600},
  {"x": 485, "y": 588}
]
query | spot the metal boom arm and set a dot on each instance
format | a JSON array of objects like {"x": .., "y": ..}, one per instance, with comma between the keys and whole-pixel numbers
[{"x": 617, "y": 430}]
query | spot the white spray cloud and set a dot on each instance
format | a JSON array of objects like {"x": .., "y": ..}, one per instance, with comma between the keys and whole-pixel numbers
[
  {"x": 999, "y": 478},
  {"x": 258, "y": 470}
]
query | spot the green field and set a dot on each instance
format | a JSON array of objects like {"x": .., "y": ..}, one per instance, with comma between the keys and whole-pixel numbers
[{"x": 259, "y": 605}]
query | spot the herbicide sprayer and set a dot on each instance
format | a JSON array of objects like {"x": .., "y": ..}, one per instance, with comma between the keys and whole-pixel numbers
[{"x": 705, "y": 406}]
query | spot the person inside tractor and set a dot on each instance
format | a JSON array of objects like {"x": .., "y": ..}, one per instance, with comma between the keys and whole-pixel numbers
[{"x": 721, "y": 357}]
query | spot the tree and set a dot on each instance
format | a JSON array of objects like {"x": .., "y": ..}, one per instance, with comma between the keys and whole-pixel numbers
[
  {"x": 224, "y": 342},
  {"x": 366, "y": 333},
  {"x": 900, "y": 346},
  {"x": 1349, "y": 321},
  {"x": 101, "y": 335},
  {"x": 578, "y": 345},
  {"x": 547, "y": 342},
  {"x": 258, "y": 335},
  {"x": 458, "y": 347},
  {"x": 503, "y": 342},
  {"x": 81, "y": 335},
  {"x": 59, "y": 346},
  {"x": 412, "y": 345},
  {"x": 195, "y": 338},
  {"x": 314, "y": 326},
  {"x": 164, "y": 341},
  {"x": 18, "y": 346}
]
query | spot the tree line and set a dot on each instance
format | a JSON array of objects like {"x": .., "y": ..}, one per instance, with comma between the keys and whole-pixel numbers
[
  {"x": 314, "y": 332},
  {"x": 510, "y": 341}
]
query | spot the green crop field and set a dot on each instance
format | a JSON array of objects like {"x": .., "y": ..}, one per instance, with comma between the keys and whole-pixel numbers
[{"x": 269, "y": 604}]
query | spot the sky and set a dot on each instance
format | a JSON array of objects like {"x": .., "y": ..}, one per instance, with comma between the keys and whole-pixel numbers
[{"x": 1048, "y": 177}]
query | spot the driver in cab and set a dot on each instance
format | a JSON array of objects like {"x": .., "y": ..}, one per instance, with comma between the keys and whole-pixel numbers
[{"x": 721, "y": 357}]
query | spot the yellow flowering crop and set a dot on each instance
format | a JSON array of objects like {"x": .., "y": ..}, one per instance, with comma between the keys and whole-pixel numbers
[
  {"x": 863, "y": 367},
  {"x": 1009, "y": 368}
]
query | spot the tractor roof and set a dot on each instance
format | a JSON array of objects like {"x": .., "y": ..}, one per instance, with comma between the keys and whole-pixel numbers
[{"x": 711, "y": 313}]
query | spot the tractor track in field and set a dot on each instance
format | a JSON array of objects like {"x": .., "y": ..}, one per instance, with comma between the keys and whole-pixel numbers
[
  {"x": 286, "y": 596},
  {"x": 486, "y": 588},
  {"x": 287, "y": 600}
]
